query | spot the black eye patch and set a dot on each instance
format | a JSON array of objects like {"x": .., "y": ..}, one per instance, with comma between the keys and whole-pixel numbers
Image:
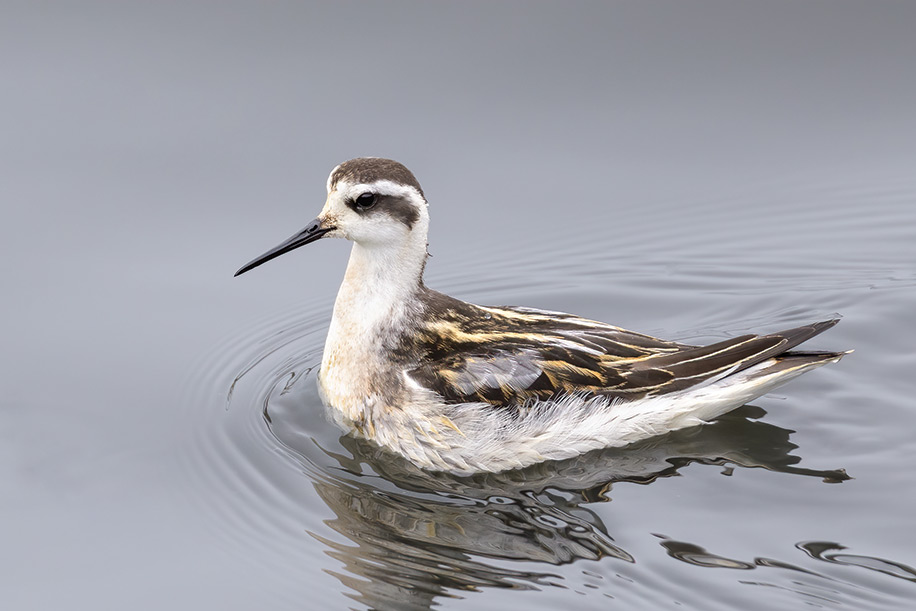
[{"x": 394, "y": 206}]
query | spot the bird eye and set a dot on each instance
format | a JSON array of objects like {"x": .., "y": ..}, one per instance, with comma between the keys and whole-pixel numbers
[{"x": 365, "y": 201}]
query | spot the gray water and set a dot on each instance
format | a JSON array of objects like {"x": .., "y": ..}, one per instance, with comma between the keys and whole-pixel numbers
[{"x": 693, "y": 170}]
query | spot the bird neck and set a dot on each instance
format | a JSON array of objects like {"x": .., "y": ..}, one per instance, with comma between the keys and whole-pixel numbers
[{"x": 380, "y": 286}]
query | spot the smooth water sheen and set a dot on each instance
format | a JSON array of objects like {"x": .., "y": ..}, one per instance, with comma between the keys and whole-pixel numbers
[{"x": 689, "y": 170}]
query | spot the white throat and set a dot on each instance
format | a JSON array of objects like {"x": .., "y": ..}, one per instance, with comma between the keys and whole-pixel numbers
[
  {"x": 378, "y": 292},
  {"x": 380, "y": 282}
]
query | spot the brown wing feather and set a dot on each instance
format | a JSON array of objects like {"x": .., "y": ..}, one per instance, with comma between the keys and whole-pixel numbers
[
  {"x": 693, "y": 365},
  {"x": 509, "y": 356}
]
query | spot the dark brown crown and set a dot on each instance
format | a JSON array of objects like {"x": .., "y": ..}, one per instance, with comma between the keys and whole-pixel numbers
[{"x": 368, "y": 170}]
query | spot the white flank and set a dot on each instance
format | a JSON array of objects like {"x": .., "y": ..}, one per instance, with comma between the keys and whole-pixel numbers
[{"x": 494, "y": 439}]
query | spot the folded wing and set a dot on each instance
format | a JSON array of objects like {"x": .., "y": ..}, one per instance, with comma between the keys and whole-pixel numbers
[{"x": 542, "y": 355}]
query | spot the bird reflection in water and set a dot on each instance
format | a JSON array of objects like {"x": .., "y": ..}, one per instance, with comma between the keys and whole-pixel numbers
[{"x": 414, "y": 536}]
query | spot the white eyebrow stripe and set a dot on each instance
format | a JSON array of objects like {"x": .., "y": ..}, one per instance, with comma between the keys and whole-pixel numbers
[{"x": 382, "y": 187}]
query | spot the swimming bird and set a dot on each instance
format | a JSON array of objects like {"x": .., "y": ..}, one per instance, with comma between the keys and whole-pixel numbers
[{"x": 463, "y": 388}]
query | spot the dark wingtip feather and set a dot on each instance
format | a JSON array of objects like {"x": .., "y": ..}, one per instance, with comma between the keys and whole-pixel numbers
[{"x": 799, "y": 335}]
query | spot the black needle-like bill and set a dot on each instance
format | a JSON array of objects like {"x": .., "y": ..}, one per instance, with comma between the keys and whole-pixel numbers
[{"x": 312, "y": 232}]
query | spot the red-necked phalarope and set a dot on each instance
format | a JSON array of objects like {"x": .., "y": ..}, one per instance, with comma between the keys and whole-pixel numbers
[{"x": 459, "y": 387}]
